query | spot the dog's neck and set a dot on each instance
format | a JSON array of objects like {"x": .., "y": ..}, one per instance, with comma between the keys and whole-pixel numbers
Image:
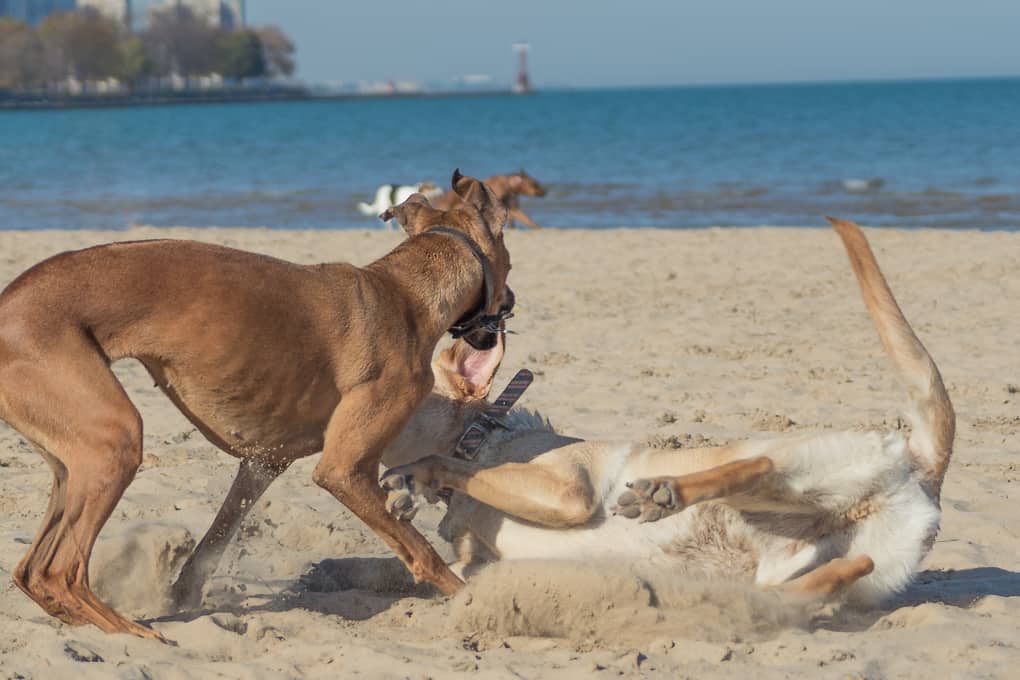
[
  {"x": 440, "y": 277},
  {"x": 521, "y": 420}
]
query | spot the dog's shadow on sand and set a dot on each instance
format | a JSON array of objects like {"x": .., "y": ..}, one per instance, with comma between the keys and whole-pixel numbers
[
  {"x": 951, "y": 587},
  {"x": 354, "y": 588},
  {"x": 960, "y": 588}
]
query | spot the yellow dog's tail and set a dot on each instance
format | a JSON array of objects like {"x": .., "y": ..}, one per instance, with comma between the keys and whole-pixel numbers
[{"x": 931, "y": 414}]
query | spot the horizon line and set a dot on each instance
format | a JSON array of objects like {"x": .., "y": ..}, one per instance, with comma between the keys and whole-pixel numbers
[
  {"x": 865, "y": 80},
  {"x": 854, "y": 80}
]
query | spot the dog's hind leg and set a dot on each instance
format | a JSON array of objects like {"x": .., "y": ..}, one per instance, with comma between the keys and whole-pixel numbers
[
  {"x": 69, "y": 403},
  {"x": 830, "y": 579},
  {"x": 251, "y": 482},
  {"x": 651, "y": 499},
  {"x": 44, "y": 537}
]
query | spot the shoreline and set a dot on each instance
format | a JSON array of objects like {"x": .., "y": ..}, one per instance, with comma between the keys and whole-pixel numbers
[
  {"x": 20, "y": 101},
  {"x": 36, "y": 101}
]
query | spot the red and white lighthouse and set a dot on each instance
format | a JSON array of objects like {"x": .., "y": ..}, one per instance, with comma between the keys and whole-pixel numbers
[{"x": 523, "y": 84}]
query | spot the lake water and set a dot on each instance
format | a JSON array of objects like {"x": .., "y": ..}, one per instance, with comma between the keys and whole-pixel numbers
[{"x": 935, "y": 153}]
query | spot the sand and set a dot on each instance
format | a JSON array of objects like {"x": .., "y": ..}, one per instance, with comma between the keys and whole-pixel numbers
[{"x": 677, "y": 337}]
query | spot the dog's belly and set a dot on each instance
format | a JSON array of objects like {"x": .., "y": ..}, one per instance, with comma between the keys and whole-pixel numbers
[
  {"x": 704, "y": 540},
  {"x": 268, "y": 412},
  {"x": 613, "y": 537}
]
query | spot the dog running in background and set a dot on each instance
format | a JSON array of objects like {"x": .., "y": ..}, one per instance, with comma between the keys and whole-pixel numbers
[
  {"x": 509, "y": 189},
  {"x": 391, "y": 195}
]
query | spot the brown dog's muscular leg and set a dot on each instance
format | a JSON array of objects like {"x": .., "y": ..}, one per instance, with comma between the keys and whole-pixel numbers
[
  {"x": 367, "y": 419},
  {"x": 44, "y": 539},
  {"x": 651, "y": 499},
  {"x": 251, "y": 482},
  {"x": 830, "y": 579},
  {"x": 553, "y": 496},
  {"x": 70, "y": 404}
]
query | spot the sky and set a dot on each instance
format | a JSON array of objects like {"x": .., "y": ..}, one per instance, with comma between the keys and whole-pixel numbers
[{"x": 594, "y": 43}]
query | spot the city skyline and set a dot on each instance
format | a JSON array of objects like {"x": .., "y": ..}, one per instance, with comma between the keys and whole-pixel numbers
[
  {"x": 33, "y": 11},
  {"x": 227, "y": 14}
]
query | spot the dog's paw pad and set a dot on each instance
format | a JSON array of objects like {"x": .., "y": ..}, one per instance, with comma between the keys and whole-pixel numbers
[
  {"x": 648, "y": 500},
  {"x": 664, "y": 496}
]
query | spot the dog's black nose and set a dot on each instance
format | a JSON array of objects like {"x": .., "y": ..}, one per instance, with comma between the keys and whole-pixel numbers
[
  {"x": 482, "y": 340},
  {"x": 509, "y": 301}
]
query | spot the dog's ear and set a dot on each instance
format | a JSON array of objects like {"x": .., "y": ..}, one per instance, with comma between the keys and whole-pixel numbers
[
  {"x": 478, "y": 195},
  {"x": 464, "y": 373},
  {"x": 409, "y": 213}
]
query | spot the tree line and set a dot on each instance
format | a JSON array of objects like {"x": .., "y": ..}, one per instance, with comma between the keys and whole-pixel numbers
[{"x": 88, "y": 46}]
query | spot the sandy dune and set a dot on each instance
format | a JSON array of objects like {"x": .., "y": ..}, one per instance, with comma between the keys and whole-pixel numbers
[{"x": 677, "y": 337}]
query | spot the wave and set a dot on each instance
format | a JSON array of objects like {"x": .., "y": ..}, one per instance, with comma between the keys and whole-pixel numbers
[{"x": 974, "y": 203}]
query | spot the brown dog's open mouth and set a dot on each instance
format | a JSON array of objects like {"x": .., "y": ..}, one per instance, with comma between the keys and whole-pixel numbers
[{"x": 481, "y": 330}]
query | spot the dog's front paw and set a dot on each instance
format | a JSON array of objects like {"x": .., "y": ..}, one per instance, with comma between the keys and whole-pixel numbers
[
  {"x": 400, "y": 496},
  {"x": 405, "y": 487},
  {"x": 649, "y": 500}
]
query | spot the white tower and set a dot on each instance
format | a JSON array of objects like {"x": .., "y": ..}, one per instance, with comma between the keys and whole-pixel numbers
[{"x": 523, "y": 84}]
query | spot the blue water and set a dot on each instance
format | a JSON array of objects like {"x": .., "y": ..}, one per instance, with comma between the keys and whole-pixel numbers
[{"x": 938, "y": 153}]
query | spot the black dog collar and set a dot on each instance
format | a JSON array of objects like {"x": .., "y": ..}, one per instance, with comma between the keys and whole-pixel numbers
[{"x": 477, "y": 318}]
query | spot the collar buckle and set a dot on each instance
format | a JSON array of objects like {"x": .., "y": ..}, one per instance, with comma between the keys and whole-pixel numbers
[{"x": 478, "y": 430}]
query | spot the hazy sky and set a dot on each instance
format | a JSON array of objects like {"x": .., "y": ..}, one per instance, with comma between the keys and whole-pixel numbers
[{"x": 636, "y": 42}]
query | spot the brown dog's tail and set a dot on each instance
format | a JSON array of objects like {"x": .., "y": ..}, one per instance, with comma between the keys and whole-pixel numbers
[{"x": 931, "y": 417}]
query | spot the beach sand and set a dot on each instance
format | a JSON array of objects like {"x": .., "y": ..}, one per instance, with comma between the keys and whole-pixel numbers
[{"x": 678, "y": 337}]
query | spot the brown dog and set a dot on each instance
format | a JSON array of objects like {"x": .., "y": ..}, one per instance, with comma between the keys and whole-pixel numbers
[
  {"x": 271, "y": 361},
  {"x": 507, "y": 188}
]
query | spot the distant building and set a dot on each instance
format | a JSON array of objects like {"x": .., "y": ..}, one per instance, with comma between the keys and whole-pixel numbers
[
  {"x": 32, "y": 12},
  {"x": 225, "y": 14},
  {"x": 118, "y": 10}
]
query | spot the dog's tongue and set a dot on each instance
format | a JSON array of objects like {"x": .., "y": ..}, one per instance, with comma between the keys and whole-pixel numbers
[{"x": 478, "y": 366}]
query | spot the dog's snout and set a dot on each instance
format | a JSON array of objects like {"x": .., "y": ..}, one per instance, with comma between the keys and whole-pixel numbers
[
  {"x": 482, "y": 339},
  {"x": 509, "y": 300}
]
